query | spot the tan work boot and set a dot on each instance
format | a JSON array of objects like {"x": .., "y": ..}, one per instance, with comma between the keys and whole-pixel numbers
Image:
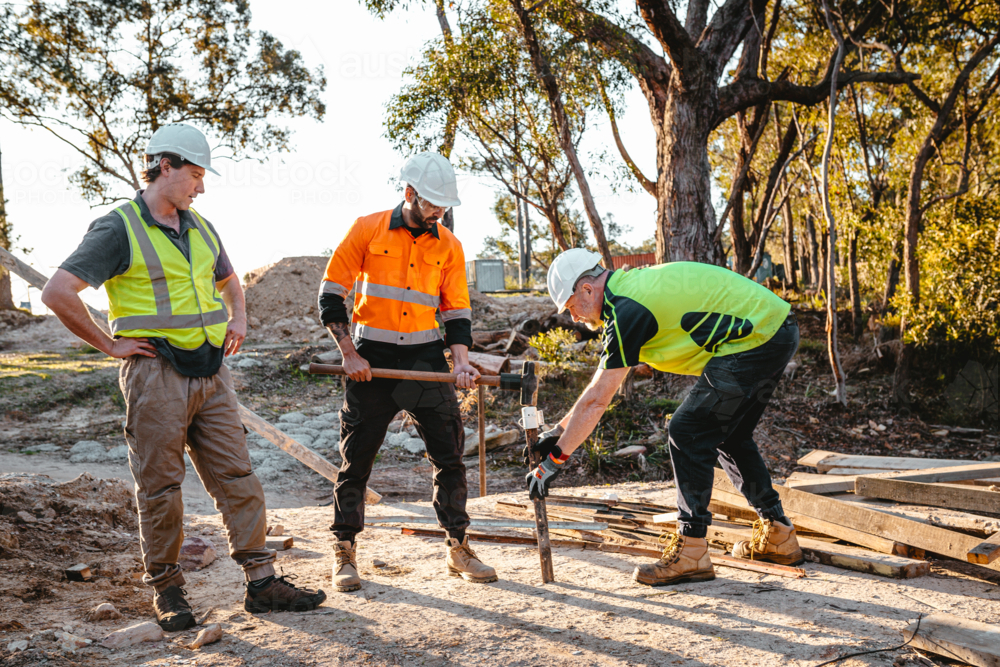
[
  {"x": 463, "y": 562},
  {"x": 685, "y": 559},
  {"x": 345, "y": 572},
  {"x": 772, "y": 541}
]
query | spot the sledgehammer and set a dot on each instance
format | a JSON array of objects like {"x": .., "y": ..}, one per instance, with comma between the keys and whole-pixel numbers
[{"x": 526, "y": 383}]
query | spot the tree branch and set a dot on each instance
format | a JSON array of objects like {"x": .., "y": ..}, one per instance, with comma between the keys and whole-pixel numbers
[
  {"x": 677, "y": 43},
  {"x": 647, "y": 185},
  {"x": 728, "y": 28},
  {"x": 741, "y": 95}
]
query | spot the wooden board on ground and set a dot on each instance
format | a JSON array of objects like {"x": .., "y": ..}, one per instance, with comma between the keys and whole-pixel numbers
[
  {"x": 724, "y": 496},
  {"x": 935, "y": 516},
  {"x": 959, "y": 473},
  {"x": 813, "y": 483},
  {"x": 985, "y": 552},
  {"x": 824, "y": 460},
  {"x": 885, "y": 526},
  {"x": 936, "y": 495},
  {"x": 861, "y": 560},
  {"x": 296, "y": 450},
  {"x": 279, "y": 543},
  {"x": 956, "y": 638}
]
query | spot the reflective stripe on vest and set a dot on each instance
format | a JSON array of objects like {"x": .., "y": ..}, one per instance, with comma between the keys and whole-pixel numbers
[
  {"x": 397, "y": 337},
  {"x": 132, "y": 312}
]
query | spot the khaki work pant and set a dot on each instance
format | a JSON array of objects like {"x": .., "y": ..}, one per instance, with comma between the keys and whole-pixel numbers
[{"x": 164, "y": 412}]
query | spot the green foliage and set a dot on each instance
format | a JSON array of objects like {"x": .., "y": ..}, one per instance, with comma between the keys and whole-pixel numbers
[
  {"x": 960, "y": 281},
  {"x": 554, "y": 346},
  {"x": 103, "y": 76}
]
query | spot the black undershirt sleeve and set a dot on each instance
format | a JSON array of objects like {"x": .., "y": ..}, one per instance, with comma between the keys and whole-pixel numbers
[{"x": 458, "y": 332}]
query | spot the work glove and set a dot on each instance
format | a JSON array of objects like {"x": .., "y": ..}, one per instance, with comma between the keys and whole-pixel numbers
[
  {"x": 540, "y": 479},
  {"x": 546, "y": 445}
]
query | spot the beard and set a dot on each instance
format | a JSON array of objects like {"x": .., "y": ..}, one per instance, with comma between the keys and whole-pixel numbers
[{"x": 424, "y": 222}]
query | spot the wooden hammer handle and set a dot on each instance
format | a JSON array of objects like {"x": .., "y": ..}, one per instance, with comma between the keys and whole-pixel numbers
[{"x": 394, "y": 374}]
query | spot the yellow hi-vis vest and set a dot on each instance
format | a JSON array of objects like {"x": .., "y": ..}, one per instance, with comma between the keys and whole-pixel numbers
[{"x": 164, "y": 295}]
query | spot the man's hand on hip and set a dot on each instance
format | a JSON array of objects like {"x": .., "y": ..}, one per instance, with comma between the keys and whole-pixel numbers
[
  {"x": 357, "y": 367},
  {"x": 127, "y": 347},
  {"x": 467, "y": 375},
  {"x": 236, "y": 333}
]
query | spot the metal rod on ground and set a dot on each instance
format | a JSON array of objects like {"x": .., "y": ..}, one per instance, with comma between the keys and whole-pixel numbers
[
  {"x": 529, "y": 418},
  {"x": 482, "y": 440},
  {"x": 296, "y": 449},
  {"x": 717, "y": 559}
]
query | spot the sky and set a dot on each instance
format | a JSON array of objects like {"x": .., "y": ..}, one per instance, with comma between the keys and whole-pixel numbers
[{"x": 302, "y": 201}]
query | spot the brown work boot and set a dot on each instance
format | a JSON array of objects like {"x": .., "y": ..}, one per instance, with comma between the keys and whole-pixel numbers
[
  {"x": 281, "y": 595},
  {"x": 463, "y": 562},
  {"x": 173, "y": 612},
  {"x": 345, "y": 572},
  {"x": 685, "y": 559},
  {"x": 772, "y": 541}
]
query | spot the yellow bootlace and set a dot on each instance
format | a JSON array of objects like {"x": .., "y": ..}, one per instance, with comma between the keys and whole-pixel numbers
[
  {"x": 758, "y": 540},
  {"x": 672, "y": 543}
]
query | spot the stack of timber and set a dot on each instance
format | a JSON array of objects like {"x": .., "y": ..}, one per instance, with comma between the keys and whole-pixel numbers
[{"x": 946, "y": 507}]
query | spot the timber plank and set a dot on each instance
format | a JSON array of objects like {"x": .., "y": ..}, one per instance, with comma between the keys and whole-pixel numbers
[
  {"x": 725, "y": 493},
  {"x": 985, "y": 552},
  {"x": 886, "y": 526},
  {"x": 281, "y": 543},
  {"x": 860, "y": 560},
  {"x": 811, "y": 483},
  {"x": 935, "y": 516},
  {"x": 948, "y": 474},
  {"x": 824, "y": 460},
  {"x": 956, "y": 638},
  {"x": 936, "y": 495}
]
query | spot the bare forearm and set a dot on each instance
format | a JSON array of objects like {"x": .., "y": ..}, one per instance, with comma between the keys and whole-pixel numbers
[
  {"x": 580, "y": 423},
  {"x": 73, "y": 313},
  {"x": 459, "y": 354},
  {"x": 233, "y": 297}
]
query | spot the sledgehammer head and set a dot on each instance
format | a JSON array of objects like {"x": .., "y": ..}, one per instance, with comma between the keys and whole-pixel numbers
[{"x": 529, "y": 384}]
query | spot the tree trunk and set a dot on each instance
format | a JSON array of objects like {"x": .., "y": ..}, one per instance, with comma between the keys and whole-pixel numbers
[
  {"x": 831, "y": 296},
  {"x": 911, "y": 267},
  {"x": 814, "y": 273},
  {"x": 685, "y": 218},
  {"x": 789, "y": 237},
  {"x": 527, "y": 245},
  {"x": 550, "y": 84},
  {"x": 6, "y": 295},
  {"x": 521, "y": 250},
  {"x": 852, "y": 267},
  {"x": 803, "y": 253},
  {"x": 824, "y": 258}
]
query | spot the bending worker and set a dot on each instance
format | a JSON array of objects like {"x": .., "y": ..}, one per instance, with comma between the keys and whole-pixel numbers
[
  {"x": 175, "y": 309},
  {"x": 690, "y": 319},
  {"x": 406, "y": 265}
]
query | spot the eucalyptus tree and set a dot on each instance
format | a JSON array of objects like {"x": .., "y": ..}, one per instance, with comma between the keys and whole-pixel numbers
[
  {"x": 482, "y": 74},
  {"x": 103, "y": 75}
]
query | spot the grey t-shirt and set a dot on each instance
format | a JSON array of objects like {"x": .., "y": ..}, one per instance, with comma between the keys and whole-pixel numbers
[{"x": 105, "y": 252}]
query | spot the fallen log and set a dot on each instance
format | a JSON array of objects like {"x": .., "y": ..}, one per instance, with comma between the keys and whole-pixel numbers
[{"x": 489, "y": 364}]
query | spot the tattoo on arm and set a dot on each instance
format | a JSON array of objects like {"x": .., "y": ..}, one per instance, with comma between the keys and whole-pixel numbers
[{"x": 340, "y": 331}]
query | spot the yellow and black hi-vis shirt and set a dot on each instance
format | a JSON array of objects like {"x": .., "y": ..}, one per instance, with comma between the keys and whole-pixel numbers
[{"x": 677, "y": 316}]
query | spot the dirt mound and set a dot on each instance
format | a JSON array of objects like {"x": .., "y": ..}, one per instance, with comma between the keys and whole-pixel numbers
[
  {"x": 15, "y": 319},
  {"x": 281, "y": 301}
]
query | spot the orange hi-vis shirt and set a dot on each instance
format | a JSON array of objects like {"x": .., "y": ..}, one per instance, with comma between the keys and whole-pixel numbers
[{"x": 399, "y": 280}]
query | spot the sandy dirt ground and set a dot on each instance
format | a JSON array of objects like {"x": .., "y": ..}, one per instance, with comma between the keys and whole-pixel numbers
[{"x": 410, "y": 612}]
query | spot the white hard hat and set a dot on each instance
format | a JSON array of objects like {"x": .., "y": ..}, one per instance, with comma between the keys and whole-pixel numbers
[
  {"x": 182, "y": 140},
  {"x": 432, "y": 176},
  {"x": 568, "y": 268}
]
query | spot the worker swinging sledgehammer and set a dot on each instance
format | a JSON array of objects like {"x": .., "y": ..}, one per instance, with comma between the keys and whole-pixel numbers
[
  {"x": 407, "y": 265},
  {"x": 691, "y": 319},
  {"x": 175, "y": 309}
]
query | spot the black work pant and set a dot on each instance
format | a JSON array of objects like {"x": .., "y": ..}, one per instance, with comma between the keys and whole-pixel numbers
[
  {"x": 716, "y": 422},
  {"x": 368, "y": 409}
]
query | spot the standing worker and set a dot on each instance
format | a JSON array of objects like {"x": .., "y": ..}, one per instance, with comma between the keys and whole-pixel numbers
[
  {"x": 175, "y": 309},
  {"x": 407, "y": 265},
  {"x": 691, "y": 319}
]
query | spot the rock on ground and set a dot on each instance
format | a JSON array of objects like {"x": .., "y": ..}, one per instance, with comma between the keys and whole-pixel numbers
[
  {"x": 103, "y": 612},
  {"x": 196, "y": 553},
  {"x": 134, "y": 634},
  {"x": 87, "y": 451}
]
